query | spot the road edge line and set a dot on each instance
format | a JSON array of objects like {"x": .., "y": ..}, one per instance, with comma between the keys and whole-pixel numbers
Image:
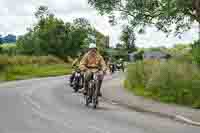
[{"x": 178, "y": 118}]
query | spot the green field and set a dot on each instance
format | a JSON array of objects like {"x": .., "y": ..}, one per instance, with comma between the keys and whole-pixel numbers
[{"x": 8, "y": 45}]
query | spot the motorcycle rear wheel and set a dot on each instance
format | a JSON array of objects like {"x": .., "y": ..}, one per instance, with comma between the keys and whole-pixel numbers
[{"x": 76, "y": 88}]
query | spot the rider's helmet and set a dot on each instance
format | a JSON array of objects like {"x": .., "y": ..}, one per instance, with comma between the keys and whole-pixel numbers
[{"x": 92, "y": 46}]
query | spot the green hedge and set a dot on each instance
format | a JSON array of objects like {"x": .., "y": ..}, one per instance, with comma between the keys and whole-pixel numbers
[
  {"x": 196, "y": 52},
  {"x": 170, "y": 81}
]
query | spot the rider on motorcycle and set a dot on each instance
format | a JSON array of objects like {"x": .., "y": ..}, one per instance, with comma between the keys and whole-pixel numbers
[
  {"x": 93, "y": 62},
  {"x": 120, "y": 64},
  {"x": 111, "y": 65},
  {"x": 75, "y": 65}
]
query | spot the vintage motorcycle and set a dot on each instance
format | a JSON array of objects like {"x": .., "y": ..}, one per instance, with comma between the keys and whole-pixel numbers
[
  {"x": 112, "y": 68},
  {"x": 77, "y": 83},
  {"x": 120, "y": 66},
  {"x": 92, "y": 96}
]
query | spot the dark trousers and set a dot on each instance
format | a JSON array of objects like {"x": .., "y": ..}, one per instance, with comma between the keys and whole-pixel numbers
[{"x": 88, "y": 77}]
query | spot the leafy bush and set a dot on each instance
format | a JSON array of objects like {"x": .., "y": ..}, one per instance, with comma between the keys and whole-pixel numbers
[{"x": 170, "y": 81}]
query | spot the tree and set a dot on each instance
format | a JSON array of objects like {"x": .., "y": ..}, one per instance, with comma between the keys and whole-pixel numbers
[
  {"x": 84, "y": 27},
  {"x": 1, "y": 49},
  {"x": 42, "y": 12},
  {"x": 52, "y": 36},
  {"x": 119, "y": 46},
  {"x": 1, "y": 39},
  {"x": 195, "y": 52},
  {"x": 128, "y": 39},
  {"x": 82, "y": 22},
  {"x": 163, "y": 14},
  {"x": 196, "y": 7}
]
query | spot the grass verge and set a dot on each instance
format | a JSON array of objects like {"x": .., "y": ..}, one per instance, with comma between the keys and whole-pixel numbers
[
  {"x": 21, "y": 72},
  {"x": 169, "y": 82}
]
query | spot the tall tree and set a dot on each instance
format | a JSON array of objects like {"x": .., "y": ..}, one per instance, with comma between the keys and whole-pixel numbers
[
  {"x": 1, "y": 39},
  {"x": 52, "y": 36},
  {"x": 196, "y": 7},
  {"x": 42, "y": 11},
  {"x": 82, "y": 22},
  {"x": 128, "y": 39},
  {"x": 119, "y": 46},
  {"x": 164, "y": 14}
]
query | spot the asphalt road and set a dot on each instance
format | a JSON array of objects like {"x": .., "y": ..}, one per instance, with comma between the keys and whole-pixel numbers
[{"x": 49, "y": 105}]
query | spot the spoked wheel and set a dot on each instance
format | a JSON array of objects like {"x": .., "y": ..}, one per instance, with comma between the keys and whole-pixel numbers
[
  {"x": 76, "y": 85},
  {"x": 95, "y": 103},
  {"x": 88, "y": 98},
  {"x": 87, "y": 101},
  {"x": 76, "y": 88},
  {"x": 95, "y": 96}
]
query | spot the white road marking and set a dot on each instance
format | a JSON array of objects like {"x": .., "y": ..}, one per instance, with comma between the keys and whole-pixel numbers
[
  {"x": 98, "y": 129},
  {"x": 33, "y": 103},
  {"x": 114, "y": 103},
  {"x": 187, "y": 120},
  {"x": 46, "y": 117}
]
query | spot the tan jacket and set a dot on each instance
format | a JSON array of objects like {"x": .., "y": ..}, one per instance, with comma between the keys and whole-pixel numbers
[{"x": 92, "y": 62}]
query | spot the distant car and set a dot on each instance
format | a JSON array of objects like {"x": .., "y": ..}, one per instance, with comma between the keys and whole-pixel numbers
[{"x": 156, "y": 55}]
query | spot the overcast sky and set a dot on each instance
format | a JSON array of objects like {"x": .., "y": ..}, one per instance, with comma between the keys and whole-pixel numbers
[{"x": 17, "y": 15}]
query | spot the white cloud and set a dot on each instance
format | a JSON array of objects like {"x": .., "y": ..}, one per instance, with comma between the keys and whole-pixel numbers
[
  {"x": 17, "y": 16},
  {"x": 154, "y": 38}
]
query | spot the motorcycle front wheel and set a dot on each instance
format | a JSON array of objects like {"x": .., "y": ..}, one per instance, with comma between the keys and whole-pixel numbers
[
  {"x": 87, "y": 101},
  {"x": 76, "y": 86},
  {"x": 95, "y": 96}
]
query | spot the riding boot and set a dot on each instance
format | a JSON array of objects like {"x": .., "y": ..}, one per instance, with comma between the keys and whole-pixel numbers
[
  {"x": 99, "y": 88},
  {"x": 85, "y": 88}
]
